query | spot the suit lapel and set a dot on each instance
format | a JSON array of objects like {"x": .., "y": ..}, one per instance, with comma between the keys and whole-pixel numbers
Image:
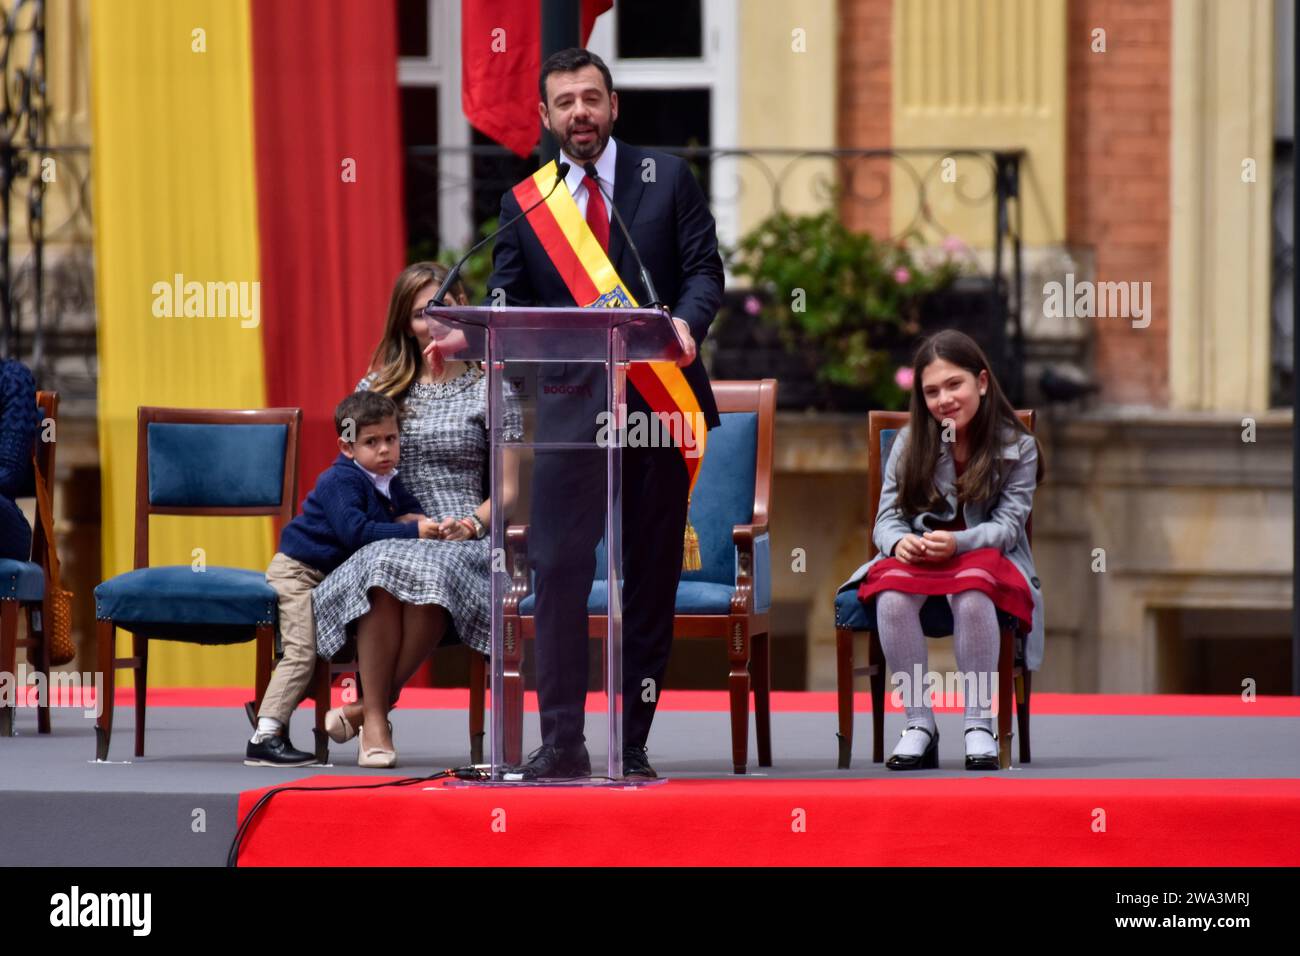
[{"x": 628, "y": 188}]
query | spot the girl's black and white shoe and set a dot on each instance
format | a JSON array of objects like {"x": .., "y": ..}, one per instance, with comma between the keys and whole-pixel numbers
[
  {"x": 978, "y": 755},
  {"x": 927, "y": 760}
]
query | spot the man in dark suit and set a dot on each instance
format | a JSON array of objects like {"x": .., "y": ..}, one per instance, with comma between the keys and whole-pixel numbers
[{"x": 669, "y": 219}]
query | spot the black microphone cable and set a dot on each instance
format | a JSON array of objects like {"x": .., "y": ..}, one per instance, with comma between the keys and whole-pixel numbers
[
  {"x": 471, "y": 773},
  {"x": 460, "y": 773}
]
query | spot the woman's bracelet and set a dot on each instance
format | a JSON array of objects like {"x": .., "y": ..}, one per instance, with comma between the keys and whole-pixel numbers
[{"x": 479, "y": 528}]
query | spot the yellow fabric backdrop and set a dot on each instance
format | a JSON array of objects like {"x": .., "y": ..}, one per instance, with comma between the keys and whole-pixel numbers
[{"x": 173, "y": 168}]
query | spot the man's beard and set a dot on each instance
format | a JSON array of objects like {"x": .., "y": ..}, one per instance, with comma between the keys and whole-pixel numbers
[{"x": 592, "y": 149}]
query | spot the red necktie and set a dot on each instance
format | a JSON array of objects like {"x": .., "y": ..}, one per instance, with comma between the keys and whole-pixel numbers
[{"x": 597, "y": 215}]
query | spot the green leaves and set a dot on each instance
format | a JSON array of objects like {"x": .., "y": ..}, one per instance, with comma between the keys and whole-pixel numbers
[{"x": 844, "y": 296}]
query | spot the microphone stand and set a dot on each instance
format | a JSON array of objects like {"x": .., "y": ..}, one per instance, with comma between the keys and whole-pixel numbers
[{"x": 439, "y": 297}]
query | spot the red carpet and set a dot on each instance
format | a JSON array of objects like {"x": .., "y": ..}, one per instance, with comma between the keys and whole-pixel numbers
[
  {"x": 984, "y": 821},
  {"x": 820, "y": 702}
]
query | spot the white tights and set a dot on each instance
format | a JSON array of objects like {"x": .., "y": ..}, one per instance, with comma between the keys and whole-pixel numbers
[{"x": 976, "y": 635}]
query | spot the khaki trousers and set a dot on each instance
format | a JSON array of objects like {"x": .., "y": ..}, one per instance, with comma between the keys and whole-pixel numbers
[{"x": 293, "y": 581}]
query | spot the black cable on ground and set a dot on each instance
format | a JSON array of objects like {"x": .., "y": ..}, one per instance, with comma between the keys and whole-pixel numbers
[
  {"x": 460, "y": 773},
  {"x": 232, "y": 857}
]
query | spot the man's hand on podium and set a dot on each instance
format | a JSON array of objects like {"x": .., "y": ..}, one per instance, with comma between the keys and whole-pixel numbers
[{"x": 684, "y": 332}]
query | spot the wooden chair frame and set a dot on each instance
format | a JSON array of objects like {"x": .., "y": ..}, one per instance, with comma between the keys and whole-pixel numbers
[
  {"x": 106, "y": 631},
  {"x": 323, "y": 680},
  {"x": 38, "y": 612},
  {"x": 745, "y": 630},
  {"x": 1011, "y": 670}
]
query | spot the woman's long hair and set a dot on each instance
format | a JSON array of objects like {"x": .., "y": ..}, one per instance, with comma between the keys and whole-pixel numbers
[
  {"x": 397, "y": 361},
  {"x": 983, "y": 475}
]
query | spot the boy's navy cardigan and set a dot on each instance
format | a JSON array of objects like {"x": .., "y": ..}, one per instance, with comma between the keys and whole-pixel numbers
[{"x": 344, "y": 513}]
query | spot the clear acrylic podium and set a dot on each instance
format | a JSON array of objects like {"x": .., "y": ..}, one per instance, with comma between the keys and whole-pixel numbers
[{"x": 553, "y": 400}]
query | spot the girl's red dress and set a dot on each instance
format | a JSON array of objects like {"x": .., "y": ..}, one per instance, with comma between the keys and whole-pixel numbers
[{"x": 984, "y": 569}]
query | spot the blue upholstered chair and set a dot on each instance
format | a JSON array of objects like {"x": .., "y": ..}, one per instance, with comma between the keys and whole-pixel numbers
[
  {"x": 197, "y": 462},
  {"x": 23, "y": 587},
  {"x": 730, "y": 596},
  {"x": 853, "y": 617}
]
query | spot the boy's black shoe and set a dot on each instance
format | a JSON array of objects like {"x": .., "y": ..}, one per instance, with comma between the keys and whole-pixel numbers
[{"x": 276, "y": 751}]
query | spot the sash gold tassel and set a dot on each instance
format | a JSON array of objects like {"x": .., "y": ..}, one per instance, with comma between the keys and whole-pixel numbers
[{"x": 691, "y": 549}]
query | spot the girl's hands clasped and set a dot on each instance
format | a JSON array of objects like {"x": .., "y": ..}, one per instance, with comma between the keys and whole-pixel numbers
[{"x": 933, "y": 546}]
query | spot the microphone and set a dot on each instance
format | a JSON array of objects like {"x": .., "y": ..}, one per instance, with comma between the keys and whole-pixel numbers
[
  {"x": 590, "y": 170},
  {"x": 560, "y": 172}
]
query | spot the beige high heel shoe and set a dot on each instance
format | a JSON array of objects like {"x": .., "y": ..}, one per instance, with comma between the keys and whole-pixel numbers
[
  {"x": 374, "y": 757},
  {"x": 338, "y": 727}
]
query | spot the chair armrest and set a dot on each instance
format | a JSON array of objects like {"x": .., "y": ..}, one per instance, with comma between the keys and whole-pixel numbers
[
  {"x": 743, "y": 535},
  {"x": 753, "y": 583},
  {"x": 517, "y": 560}
]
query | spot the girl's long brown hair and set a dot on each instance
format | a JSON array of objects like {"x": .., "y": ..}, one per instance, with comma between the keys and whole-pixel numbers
[
  {"x": 397, "y": 361},
  {"x": 984, "y": 474}
]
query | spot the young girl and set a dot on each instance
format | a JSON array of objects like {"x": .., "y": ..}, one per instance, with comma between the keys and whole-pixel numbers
[
  {"x": 963, "y": 446},
  {"x": 401, "y": 598}
]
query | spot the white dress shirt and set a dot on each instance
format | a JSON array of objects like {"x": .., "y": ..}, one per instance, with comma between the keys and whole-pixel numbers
[
  {"x": 381, "y": 482},
  {"x": 604, "y": 169}
]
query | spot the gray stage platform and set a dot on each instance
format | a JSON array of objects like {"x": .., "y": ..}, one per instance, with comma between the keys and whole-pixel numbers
[{"x": 59, "y": 807}]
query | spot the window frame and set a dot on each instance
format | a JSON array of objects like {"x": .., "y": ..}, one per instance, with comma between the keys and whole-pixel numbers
[{"x": 716, "y": 70}]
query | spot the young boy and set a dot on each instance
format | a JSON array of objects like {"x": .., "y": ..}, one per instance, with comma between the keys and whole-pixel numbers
[{"x": 357, "y": 500}]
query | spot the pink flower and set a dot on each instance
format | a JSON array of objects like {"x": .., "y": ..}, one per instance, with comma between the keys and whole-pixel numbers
[
  {"x": 752, "y": 305},
  {"x": 903, "y": 377},
  {"x": 954, "y": 246},
  {"x": 902, "y": 276}
]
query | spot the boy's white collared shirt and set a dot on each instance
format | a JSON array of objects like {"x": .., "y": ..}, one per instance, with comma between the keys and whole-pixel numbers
[{"x": 381, "y": 482}]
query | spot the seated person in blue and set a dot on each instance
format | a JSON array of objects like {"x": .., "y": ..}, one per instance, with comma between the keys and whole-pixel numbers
[
  {"x": 18, "y": 423},
  {"x": 357, "y": 500}
]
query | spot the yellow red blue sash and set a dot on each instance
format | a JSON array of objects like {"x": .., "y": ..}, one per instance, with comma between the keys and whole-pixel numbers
[{"x": 593, "y": 281}]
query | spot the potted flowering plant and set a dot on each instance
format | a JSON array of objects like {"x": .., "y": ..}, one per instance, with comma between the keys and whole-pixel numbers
[{"x": 843, "y": 305}]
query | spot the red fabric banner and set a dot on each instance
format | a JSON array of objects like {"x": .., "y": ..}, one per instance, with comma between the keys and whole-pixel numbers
[
  {"x": 501, "y": 43},
  {"x": 330, "y": 211}
]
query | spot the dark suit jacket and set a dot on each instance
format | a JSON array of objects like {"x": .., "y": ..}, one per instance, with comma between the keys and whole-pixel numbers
[{"x": 676, "y": 235}]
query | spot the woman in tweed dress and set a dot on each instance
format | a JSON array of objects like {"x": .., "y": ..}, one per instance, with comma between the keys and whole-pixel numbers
[{"x": 401, "y": 597}]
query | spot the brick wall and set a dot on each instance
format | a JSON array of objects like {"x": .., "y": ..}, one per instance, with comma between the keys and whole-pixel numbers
[
  {"x": 864, "y": 115},
  {"x": 1117, "y": 162},
  {"x": 1117, "y": 179}
]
